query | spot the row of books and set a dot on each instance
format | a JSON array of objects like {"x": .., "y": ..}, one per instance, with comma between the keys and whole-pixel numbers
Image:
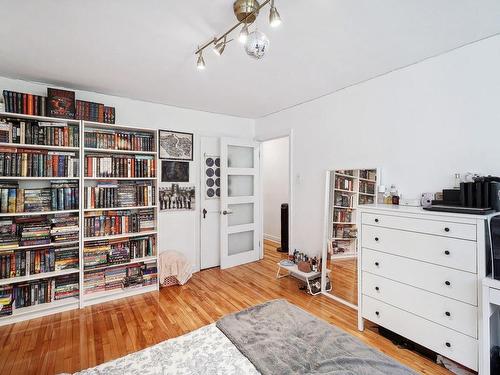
[
  {"x": 121, "y": 194},
  {"x": 343, "y": 216},
  {"x": 98, "y": 112},
  {"x": 366, "y": 187},
  {"x": 37, "y": 163},
  {"x": 344, "y": 183},
  {"x": 109, "y": 223},
  {"x": 120, "y": 166},
  {"x": 37, "y": 230},
  {"x": 119, "y": 140},
  {"x": 38, "y": 292},
  {"x": 39, "y": 133},
  {"x": 60, "y": 196},
  {"x": 370, "y": 174},
  {"x": 122, "y": 277},
  {"x": 343, "y": 200},
  {"x": 109, "y": 252},
  {"x": 344, "y": 232},
  {"x": 27, "y": 104},
  {"x": 52, "y": 259}
]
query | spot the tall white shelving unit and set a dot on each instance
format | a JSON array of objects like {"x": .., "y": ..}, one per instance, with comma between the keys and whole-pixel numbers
[
  {"x": 56, "y": 306},
  {"x": 103, "y": 296},
  {"x": 349, "y": 188}
]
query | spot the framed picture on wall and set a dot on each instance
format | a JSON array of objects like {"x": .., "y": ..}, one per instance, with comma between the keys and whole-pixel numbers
[
  {"x": 174, "y": 171},
  {"x": 175, "y": 145},
  {"x": 177, "y": 198}
]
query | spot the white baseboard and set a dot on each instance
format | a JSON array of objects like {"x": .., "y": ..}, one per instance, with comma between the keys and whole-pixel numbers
[{"x": 270, "y": 237}]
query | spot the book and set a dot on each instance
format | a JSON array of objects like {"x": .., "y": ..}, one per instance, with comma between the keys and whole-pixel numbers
[{"x": 61, "y": 103}]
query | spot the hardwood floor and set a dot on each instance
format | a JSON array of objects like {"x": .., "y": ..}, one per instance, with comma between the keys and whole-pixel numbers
[
  {"x": 79, "y": 339},
  {"x": 344, "y": 279}
]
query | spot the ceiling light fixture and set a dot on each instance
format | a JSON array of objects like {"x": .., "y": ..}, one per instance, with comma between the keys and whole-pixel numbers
[{"x": 246, "y": 12}]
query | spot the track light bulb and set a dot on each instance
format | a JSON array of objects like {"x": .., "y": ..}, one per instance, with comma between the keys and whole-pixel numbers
[
  {"x": 219, "y": 47},
  {"x": 200, "y": 64},
  {"x": 243, "y": 34},
  {"x": 274, "y": 16}
]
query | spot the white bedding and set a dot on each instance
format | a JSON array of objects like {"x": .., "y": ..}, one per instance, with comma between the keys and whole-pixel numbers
[{"x": 204, "y": 351}]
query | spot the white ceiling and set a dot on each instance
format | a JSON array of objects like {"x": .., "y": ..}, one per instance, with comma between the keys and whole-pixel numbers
[{"x": 144, "y": 49}]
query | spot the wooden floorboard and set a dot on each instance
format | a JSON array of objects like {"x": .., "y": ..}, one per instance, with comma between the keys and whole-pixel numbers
[{"x": 78, "y": 339}]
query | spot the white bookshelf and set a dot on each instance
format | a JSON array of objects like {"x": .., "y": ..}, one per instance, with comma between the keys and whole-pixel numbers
[
  {"x": 39, "y": 310},
  {"x": 353, "y": 186},
  {"x": 109, "y": 295}
]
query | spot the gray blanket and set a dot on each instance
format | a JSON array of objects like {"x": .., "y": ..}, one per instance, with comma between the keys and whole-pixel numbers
[{"x": 280, "y": 338}]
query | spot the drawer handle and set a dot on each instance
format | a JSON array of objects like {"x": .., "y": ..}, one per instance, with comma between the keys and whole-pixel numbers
[
  {"x": 447, "y": 282},
  {"x": 376, "y": 220},
  {"x": 376, "y": 239},
  {"x": 447, "y": 313},
  {"x": 377, "y": 313},
  {"x": 377, "y": 264},
  {"x": 446, "y": 229},
  {"x": 377, "y": 288},
  {"x": 448, "y": 345},
  {"x": 447, "y": 252}
]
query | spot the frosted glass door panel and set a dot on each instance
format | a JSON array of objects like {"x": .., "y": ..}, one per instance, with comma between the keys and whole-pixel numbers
[
  {"x": 240, "y": 157},
  {"x": 241, "y": 242},
  {"x": 241, "y": 214},
  {"x": 240, "y": 186}
]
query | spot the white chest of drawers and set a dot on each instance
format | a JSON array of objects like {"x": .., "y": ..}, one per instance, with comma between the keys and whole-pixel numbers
[{"x": 419, "y": 276}]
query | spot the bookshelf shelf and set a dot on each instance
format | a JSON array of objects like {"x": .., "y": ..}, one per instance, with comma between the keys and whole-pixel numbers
[
  {"x": 118, "y": 208},
  {"x": 7, "y": 178},
  {"x": 346, "y": 175},
  {"x": 113, "y": 151},
  {"x": 51, "y": 244},
  {"x": 345, "y": 191},
  {"x": 37, "y": 213},
  {"x": 368, "y": 194},
  {"x": 38, "y": 276},
  {"x": 343, "y": 223},
  {"x": 40, "y": 147},
  {"x": 123, "y": 235},
  {"x": 38, "y": 118},
  {"x": 89, "y": 125},
  {"x": 344, "y": 208},
  {"x": 132, "y": 261},
  {"x": 342, "y": 239},
  {"x": 346, "y": 255},
  {"x": 120, "y": 178},
  {"x": 109, "y": 295},
  {"x": 367, "y": 180}
]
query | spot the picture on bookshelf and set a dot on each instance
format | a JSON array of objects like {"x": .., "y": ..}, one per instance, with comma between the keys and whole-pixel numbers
[
  {"x": 61, "y": 103},
  {"x": 175, "y": 145},
  {"x": 174, "y": 171},
  {"x": 212, "y": 177},
  {"x": 177, "y": 198}
]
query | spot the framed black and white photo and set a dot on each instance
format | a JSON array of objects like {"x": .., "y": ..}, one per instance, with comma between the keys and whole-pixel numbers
[
  {"x": 177, "y": 198},
  {"x": 175, "y": 145},
  {"x": 174, "y": 171}
]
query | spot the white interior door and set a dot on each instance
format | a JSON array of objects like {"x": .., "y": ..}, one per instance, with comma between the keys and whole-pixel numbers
[
  {"x": 210, "y": 202},
  {"x": 240, "y": 219}
]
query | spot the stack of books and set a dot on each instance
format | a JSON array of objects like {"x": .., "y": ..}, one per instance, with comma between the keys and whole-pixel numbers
[
  {"x": 6, "y": 300},
  {"x": 114, "y": 277},
  {"x": 66, "y": 286},
  {"x": 64, "y": 228},
  {"x": 8, "y": 234},
  {"x": 95, "y": 254},
  {"x": 66, "y": 258},
  {"x": 118, "y": 140},
  {"x": 93, "y": 281},
  {"x": 149, "y": 274},
  {"x": 32, "y": 199},
  {"x": 142, "y": 247},
  {"x": 39, "y": 133},
  {"x": 104, "y": 223},
  {"x": 12, "y": 264},
  {"x": 120, "y": 166},
  {"x": 18, "y": 162},
  {"x": 123, "y": 194},
  {"x": 134, "y": 277},
  {"x": 33, "y": 230},
  {"x": 119, "y": 252}
]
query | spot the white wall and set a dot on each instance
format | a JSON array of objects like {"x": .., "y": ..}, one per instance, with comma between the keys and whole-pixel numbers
[
  {"x": 275, "y": 185},
  {"x": 179, "y": 230},
  {"x": 419, "y": 125}
]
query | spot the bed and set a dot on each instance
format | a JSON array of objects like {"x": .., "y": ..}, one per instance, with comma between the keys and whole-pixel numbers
[{"x": 272, "y": 338}]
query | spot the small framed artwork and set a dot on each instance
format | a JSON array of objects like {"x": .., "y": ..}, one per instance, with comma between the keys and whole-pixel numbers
[
  {"x": 175, "y": 145},
  {"x": 177, "y": 198},
  {"x": 174, "y": 171}
]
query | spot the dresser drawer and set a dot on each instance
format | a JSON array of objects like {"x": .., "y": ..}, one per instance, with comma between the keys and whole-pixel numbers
[
  {"x": 442, "y": 340},
  {"x": 448, "y": 312},
  {"x": 448, "y": 252},
  {"x": 436, "y": 227},
  {"x": 448, "y": 282}
]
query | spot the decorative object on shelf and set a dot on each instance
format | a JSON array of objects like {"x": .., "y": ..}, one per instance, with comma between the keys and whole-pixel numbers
[
  {"x": 175, "y": 145},
  {"x": 174, "y": 171},
  {"x": 212, "y": 177},
  {"x": 177, "y": 198},
  {"x": 60, "y": 103},
  {"x": 256, "y": 42}
]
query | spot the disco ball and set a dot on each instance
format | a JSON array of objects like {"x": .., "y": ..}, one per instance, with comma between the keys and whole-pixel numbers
[{"x": 257, "y": 44}]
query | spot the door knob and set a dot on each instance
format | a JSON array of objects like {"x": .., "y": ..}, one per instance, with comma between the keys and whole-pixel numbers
[
  {"x": 205, "y": 213},
  {"x": 227, "y": 212}
]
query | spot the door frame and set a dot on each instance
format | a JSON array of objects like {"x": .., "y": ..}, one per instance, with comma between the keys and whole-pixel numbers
[{"x": 286, "y": 133}]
